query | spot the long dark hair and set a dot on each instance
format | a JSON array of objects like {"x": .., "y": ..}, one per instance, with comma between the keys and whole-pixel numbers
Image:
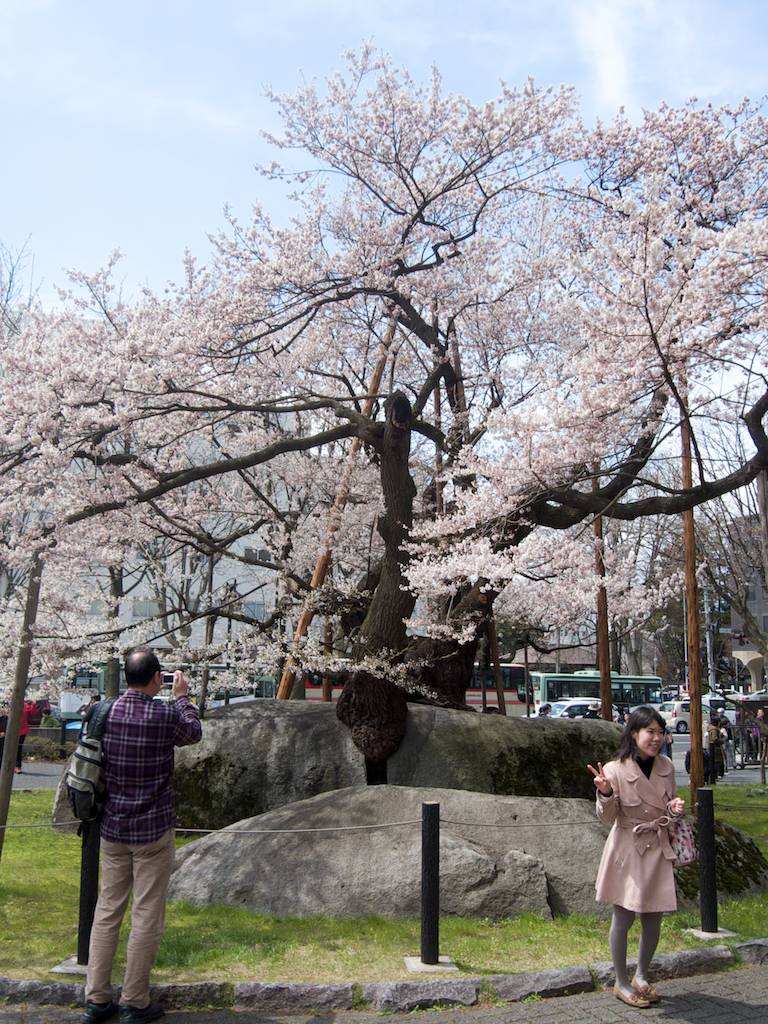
[{"x": 640, "y": 718}]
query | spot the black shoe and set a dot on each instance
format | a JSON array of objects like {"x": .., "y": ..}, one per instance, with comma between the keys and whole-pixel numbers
[
  {"x": 133, "y": 1015},
  {"x": 95, "y": 1013}
]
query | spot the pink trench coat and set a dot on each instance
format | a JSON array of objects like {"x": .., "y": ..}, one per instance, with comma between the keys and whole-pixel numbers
[{"x": 636, "y": 867}]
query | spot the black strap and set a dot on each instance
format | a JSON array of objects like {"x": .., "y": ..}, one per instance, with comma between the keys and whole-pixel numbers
[{"x": 95, "y": 720}]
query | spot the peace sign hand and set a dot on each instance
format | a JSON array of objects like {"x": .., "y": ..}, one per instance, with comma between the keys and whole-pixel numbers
[{"x": 602, "y": 784}]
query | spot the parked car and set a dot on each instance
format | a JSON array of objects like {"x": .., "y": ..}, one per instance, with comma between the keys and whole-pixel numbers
[
  {"x": 711, "y": 702},
  {"x": 576, "y": 707},
  {"x": 677, "y": 714}
]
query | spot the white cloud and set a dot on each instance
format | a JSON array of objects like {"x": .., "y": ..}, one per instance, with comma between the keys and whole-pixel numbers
[{"x": 604, "y": 35}]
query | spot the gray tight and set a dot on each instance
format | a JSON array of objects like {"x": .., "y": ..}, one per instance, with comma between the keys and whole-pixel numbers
[{"x": 650, "y": 929}]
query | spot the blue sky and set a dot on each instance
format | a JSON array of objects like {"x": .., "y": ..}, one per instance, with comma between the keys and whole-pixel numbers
[{"x": 130, "y": 125}]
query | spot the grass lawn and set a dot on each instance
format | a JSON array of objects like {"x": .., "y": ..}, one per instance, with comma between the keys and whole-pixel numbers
[
  {"x": 746, "y": 807},
  {"x": 39, "y": 881}
]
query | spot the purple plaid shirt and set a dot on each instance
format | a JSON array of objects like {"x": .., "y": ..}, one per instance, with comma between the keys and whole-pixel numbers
[{"x": 138, "y": 745}]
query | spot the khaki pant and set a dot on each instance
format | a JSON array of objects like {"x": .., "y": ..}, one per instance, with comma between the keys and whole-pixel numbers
[{"x": 145, "y": 869}]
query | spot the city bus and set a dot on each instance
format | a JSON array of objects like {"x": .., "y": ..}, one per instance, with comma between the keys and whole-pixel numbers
[
  {"x": 627, "y": 691},
  {"x": 483, "y": 682}
]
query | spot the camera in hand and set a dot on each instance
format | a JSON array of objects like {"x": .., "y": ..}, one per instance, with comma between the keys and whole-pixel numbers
[{"x": 167, "y": 678}]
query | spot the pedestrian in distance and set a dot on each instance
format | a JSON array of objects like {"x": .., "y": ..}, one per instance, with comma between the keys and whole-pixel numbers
[
  {"x": 636, "y": 796},
  {"x": 726, "y": 734},
  {"x": 137, "y": 835},
  {"x": 666, "y": 743},
  {"x": 716, "y": 751},
  {"x": 85, "y": 708},
  {"x": 545, "y": 711},
  {"x": 27, "y": 710}
]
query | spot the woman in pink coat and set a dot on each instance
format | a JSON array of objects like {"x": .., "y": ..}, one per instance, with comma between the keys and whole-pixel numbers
[{"x": 636, "y": 795}]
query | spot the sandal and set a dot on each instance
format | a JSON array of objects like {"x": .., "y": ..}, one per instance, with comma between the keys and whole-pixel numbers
[
  {"x": 646, "y": 991},
  {"x": 636, "y": 1000}
]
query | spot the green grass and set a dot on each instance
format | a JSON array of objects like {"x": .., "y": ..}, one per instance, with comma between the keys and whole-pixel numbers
[
  {"x": 746, "y": 807},
  {"x": 39, "y": 881}
]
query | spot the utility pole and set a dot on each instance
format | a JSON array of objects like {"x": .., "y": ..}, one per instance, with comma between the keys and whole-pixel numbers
[
  {"x": 692, "y": 618},
  {"x": 709, "y": 627}
]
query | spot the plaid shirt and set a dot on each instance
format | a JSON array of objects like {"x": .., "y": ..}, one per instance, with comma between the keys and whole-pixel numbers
[{"x": 138, "y": 745}]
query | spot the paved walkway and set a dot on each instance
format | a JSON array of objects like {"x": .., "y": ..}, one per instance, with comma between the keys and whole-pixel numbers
[
  {"x": 731, "y": 997},
  {"x": 39, "y": 775}
]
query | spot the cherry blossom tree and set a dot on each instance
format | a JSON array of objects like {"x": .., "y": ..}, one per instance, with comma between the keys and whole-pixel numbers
[{"x": 562, "y": 297}]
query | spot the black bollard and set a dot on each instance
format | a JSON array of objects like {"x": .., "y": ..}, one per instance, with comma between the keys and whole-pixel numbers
[
  {"x": 705, "y": 827},
  {"x": 430, "y": 882},
  {"x": 89, "y": 887}
]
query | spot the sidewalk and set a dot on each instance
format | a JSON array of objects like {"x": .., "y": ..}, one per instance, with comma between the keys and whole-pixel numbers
[
  {"x": 736, "y": 997},
  {"x": 39, "y": 774}
]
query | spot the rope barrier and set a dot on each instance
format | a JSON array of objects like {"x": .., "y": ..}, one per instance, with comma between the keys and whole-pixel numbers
[
  {"x": 246, "y": 832},
  {"x": 295, "y": 831},
  {"x": 334, "y": 828},
  {"x": 517, "y": 824},
  {"x": 361, "y": 828}
]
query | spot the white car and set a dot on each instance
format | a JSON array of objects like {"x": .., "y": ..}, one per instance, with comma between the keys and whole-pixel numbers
[
  {"x": 677, "y": 714},
  {"x": 710, "y": 703},
  {"x": 576, "y": 707}
]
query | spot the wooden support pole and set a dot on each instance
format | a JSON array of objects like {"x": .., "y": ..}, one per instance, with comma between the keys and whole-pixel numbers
[
  {"x": 285, "y": 686},
  {"x": 603, "y": 643},
  {"x": 493, "y": 639}
]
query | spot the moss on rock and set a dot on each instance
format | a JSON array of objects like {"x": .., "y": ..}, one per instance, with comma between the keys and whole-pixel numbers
[
  {"x": 259, "y": 756},
  {"x": 739, "y": 865}
]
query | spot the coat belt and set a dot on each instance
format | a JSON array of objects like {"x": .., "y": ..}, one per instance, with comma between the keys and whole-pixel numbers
[{"x": 648, "y": 833}]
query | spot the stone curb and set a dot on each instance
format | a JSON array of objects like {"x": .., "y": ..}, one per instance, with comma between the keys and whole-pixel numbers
[
  {"x": 283, "y": 997},
  {"x": 420, "y": 995},
  {"x": 673, "y": 965},
  {"x": 565, "y": 981},
  {"x": 402, "y": 996}
]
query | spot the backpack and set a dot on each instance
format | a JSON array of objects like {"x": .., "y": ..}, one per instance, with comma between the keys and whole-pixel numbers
[{"x": 84, "y": 779}]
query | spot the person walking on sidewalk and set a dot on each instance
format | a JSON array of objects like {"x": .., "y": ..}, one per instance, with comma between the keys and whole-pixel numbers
[
  {"x": 137, "y": 833},
  {"x": 636, "y": 794},
  {"x": 27, "y": 710}
]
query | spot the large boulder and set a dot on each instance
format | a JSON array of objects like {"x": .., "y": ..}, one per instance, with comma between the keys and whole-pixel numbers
[
  {"x": 499, "y": 856},
  {"x": 258, "y": 756}
]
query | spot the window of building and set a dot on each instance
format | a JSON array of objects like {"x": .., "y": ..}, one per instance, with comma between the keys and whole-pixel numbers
[
  {"x": 145, "y": 608},
  {"x": 255, "y": 610}
]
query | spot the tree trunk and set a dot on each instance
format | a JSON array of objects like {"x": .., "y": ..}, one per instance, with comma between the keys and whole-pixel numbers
[
  {"x": 21, "y": 678},
  {"x": 210, "y": 623},
  {"x": 374, "y": 708},
  {"x": 384, "y": 625}
]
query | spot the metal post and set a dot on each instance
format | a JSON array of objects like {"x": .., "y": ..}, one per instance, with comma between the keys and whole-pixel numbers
[
  {"x": 430, "y": 882},
  {"x": 705, "y": 820},
  {"x": 89, "y": 887}
]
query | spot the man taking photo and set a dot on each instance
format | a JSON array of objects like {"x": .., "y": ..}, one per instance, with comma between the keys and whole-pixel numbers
[{"x": 137, "y": 834}]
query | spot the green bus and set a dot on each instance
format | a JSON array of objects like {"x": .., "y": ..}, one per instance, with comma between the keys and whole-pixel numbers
[{"x": 627, "y": 691}]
